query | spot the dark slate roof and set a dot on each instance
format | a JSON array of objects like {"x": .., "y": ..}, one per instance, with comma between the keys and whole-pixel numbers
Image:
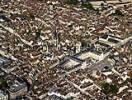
[{"x": 4, "y": 61}]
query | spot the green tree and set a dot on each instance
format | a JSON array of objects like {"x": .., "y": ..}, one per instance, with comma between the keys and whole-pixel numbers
[
  {"x": 38, "y": 33},
  {"x": 109, "y": 88},
  {"x": 105, "y": 87},
  {"x": 84, "y": 44},
  {"x": 113, "y": 89},
  {"x": 118, "y": 13},
  {"x": 74, "y": 2},
  {"x": 88, "y": 5},
  {"x": 70, "y": 98},
  {"x": 3, "y": 83}
]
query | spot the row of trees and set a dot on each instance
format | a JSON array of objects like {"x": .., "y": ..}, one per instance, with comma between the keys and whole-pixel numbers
[
  {"x": 74, "y": 2},
  {"x": 85, "y": 4}
]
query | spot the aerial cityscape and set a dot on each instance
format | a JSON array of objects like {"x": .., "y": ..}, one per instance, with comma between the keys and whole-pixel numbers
[{"x": 65, "y": 49}]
